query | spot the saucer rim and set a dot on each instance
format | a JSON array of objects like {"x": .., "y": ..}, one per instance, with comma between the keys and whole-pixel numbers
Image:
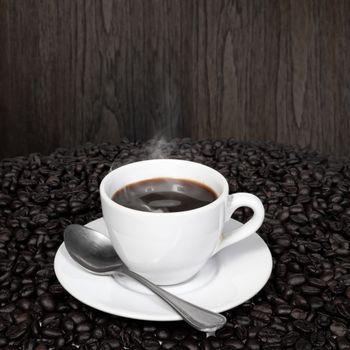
[{"x": 173, "y": 316}]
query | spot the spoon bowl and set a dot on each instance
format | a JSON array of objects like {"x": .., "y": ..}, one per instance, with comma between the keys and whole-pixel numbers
[{"x": 91, "y": 249}]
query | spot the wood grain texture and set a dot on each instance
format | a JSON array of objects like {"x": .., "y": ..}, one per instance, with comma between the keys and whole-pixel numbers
[{"x": 73, "y": 71}]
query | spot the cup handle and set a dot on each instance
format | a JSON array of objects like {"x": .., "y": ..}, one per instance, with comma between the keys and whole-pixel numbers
[{"x": 235, "y": 201}]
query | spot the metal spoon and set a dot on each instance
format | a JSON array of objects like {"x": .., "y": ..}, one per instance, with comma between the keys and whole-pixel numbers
[{"x": 94, "y": 251}]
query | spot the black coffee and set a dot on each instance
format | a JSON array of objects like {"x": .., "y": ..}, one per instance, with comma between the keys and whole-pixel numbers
[{"x": 164, "y": 195}]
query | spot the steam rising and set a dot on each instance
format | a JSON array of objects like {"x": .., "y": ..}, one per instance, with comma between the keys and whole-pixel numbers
[
  {"x": 158, "y": 148},
  {"x": 155, "y": 148}
]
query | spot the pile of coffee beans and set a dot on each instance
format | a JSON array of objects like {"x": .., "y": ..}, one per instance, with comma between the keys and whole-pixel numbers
[{"x": 305, "y": 304}]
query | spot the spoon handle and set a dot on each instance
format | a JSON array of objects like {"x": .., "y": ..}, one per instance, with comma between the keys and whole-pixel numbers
[{"x": 199, "y": 318}]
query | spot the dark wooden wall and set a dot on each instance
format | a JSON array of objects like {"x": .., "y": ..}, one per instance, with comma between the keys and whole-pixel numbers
[{"x": 73, "y": 71}]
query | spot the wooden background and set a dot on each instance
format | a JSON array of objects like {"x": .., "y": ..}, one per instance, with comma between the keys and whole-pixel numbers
[{"x": 73, "y": 71}]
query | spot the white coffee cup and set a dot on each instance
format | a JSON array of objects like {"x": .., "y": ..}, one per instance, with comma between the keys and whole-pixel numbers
[{"x": 169, "y": 248}]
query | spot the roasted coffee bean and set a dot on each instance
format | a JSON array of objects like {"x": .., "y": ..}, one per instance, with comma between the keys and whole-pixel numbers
[
  {"x": 190, "y": 344},
  {"x": 113, "y": 330},
  {"x": 7, "y": 308},
  {"x": 261, "y": 316},
  {"x": 283, "y": 310},
  {"x": 30, "y": 270},
  {"x": 225, "y": 332},
  {"x": 269, "y": 335},
  {"x": 84, "y": 327},
  {"x": 41, "y": 347},
  {"x": 78, "y": 317},
  {"x": 265, "y": 308},
  {"x": 233, "y": 344},
  {"x": 288, "y": 293},
  {"x": 298, "y": 314},
  {"x": 98, "y": 333},
  {"x": 243, "y": 320},
  {"x": 22, "y": 235},
  {"x": 24, "y": 304},
  {"x": 16, "y": 331},
  {"x": 4, "y": 279},
  {"x": 336, "y": 287},
  {"x": 68, "y": 324},
  {"x": 74, "y": 304},
  {"x": 283, "y": 241},
  {"x": 27, "y": 290},
  {"x": 344, "y": 310},
  {"x": 294, "y": 266},
  {"x": 346, "y": 279},
  {"x": 343, "y": 343},
  {"x": 241, "y": 332},
  {"x": 5, "y": 235},
  {"x": 5, "y": 295},
  {"x": 316, "y": 302},
  {"x": 47, "y": 302},
  {"x": 317, "y": 282},
  {"x": 300, "y": 302},
  {"x": 151, "y": 344},
  {"x": 296, "y": 279},
  {"x": 51, "y": 333},
  {"x": 318, "y": 339},
  {"x": 105, "y": 346},
  {"x": 281, "y": 270},
  {"x": 327, "y": 275},
  {"x": 290, "y": 338},
  {"x": 5, "y": 266},
  {"x": 52, "y": 320},
  {"x": 56, "y": 289},
  {"x": 206, "y": 345},
  {"x": 253, "y": 331},
  {"x": 60, "y": 342},
  {"x": 168, "y": 344},
  {"x": 163, "y": 334},
  {"x": 252, "y": 344},
  {"x": 309, "y": 290},
  {"x": 35, "y": 328},
  {"x": 300, "y": 219},
  {"x": 323, "y": 320},
  {"x": 179, "y": 334},
  {"x": 82, "y": 337},
  {"x": 40, "y": 197},
  {"x": 4, "y": 323},
  {"x": 339, "y": 329},
  {"x": 15, "y": 284},
  {"x": 303, "y": 326},
  {"x": 46, "y": 273}
]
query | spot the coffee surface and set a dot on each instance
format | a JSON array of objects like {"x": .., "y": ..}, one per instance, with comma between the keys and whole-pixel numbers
[{"x": 164, "y": 195}]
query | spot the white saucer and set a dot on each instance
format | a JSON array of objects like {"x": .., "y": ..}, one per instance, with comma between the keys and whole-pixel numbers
[{"x": 230, "y": 278}]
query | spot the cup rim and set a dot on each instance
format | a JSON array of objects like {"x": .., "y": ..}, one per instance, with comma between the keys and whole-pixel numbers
[{"x": 104, "y": 196}]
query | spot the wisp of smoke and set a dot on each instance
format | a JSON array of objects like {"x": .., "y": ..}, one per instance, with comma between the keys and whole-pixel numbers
[
  {"x": 155, "y": 148},
  {"x": 158, "y": 148}
]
